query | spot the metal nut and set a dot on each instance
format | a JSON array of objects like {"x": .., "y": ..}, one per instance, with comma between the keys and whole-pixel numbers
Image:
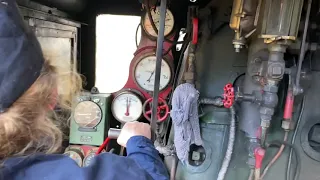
[
  {"x": 265, "y": 123},
  {"x": 196, "y": 156},
  {"x": 286, "y": 125}
]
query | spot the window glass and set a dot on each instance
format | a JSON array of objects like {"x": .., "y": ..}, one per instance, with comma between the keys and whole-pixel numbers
[{"x": 115, "y": 45}]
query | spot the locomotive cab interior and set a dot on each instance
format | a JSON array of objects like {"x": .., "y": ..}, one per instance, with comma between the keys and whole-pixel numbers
[{"x": 250, "y": 67}]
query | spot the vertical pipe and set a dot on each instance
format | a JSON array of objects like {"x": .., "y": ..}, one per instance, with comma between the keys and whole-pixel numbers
[
  {"x": 160, "y": 40},
  {"x": 303, "y": 45}
]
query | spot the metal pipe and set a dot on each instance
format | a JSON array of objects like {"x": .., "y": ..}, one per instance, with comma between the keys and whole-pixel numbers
[
  {"x": 251, "y": 174},
  {"x": 303, "y": 45},
  {"x": 174, "y": 167},
  {"x": 276, "y": 157},
  {"x": 227, "y": 158},
  {"x": 216, "y": 101},
  {"x": 294, "y": 139},
  {"x": 160, "y": 40}
]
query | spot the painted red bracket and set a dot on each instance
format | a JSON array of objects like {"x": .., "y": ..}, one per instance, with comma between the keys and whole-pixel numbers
[{"x": 228, "y": 95}]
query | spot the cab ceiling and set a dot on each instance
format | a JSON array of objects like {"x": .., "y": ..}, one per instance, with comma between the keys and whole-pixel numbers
[{"x": 99, "y": 6}]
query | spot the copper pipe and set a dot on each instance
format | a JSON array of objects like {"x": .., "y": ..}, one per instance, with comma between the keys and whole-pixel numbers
[
  {"x": 257, "y": 174},
  {"x": 276, "y": 157}
]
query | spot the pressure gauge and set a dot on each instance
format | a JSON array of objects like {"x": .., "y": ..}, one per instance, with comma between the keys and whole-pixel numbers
[
  {"x": 76, "y": 155},
  {"x": 87, "y": 114},
  {"x": 88, "y": 159},
  {"x": 144, "y": 73},
  {"x": 169, "y": 22},
  {"x": 127, "y": 107}
]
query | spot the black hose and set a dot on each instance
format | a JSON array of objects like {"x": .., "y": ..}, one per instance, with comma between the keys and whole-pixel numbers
[
  {"x": 302, "y": 51},
  {"x": 136, "y": 37},
  {"x": 294, "y": 148},
  {"x": 183, "y": 49}
]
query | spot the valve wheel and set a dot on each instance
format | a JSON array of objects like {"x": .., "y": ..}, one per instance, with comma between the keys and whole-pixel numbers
[
  {"x": 228, "y": 96},
  {"x": 162, "y": 110}
]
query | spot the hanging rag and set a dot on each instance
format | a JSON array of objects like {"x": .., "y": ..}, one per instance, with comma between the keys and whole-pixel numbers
[{"x": 185, "y": 119}]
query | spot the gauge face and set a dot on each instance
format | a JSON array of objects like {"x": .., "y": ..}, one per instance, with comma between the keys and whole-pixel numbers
[
  {"x": 87, "y": 114},
  {"x": 127, "y": 107},
  {"x": 144, "y": 73},
  {"x": 169, "y": 22},
  {"x": 88, "y": 159},
  {"x": 75, "y": 156}
]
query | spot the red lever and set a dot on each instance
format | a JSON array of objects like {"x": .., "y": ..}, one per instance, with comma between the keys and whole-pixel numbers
[
  {"x": 228, "y": 95},
  {"x": 259, "y": 154}
]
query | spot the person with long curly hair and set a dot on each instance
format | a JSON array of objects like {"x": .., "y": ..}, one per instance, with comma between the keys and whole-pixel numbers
[{"x": 31, "y": 86}]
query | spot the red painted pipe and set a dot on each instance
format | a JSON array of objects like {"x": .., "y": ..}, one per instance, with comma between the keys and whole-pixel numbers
[
  {"x": 288, "y": 109},
  {"x": 104, "y": 144}
]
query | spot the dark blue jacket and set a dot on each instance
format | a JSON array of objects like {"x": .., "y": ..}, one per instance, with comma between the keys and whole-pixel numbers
[{"x": 142, "y": 163}]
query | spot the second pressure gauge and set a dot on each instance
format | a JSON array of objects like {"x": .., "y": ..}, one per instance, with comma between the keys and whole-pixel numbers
[
  {"x": 147, "y": 26},
  {"x": 144, "y": 73},
  {"x": 127, "y": 107}
]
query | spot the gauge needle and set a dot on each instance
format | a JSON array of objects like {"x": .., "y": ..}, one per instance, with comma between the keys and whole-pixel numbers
[
  {"x": 128, "y": 107},
  {"x": 151, "y": 76}
]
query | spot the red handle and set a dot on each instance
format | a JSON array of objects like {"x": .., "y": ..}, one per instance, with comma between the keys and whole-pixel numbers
[{"x": 259, "y": 155}]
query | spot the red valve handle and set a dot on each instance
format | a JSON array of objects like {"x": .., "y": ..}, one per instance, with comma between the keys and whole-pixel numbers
[
  {"x": 228, "y": 95},
  {"x": 162, "y": 110}
]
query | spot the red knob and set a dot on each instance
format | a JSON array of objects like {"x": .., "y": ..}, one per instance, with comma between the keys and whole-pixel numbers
[{"x": 228, "y": 95}]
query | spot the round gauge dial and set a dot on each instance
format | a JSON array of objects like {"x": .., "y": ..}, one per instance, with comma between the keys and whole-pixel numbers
[
  {"x": 144, "y": 73},
  {"x": 127, "y": 107},
  {"x": 87, "y": 114},
  {"x": 88, "y": 159},
  {"x": 169, "y": 22},
  {"x": 76, "y": 156}
]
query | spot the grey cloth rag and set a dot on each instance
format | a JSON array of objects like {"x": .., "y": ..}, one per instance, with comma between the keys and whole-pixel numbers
[{"x": 185, "y": 119}]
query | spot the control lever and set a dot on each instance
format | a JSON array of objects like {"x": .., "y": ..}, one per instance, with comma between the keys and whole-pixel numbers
[{"x": 114, "y": 133}]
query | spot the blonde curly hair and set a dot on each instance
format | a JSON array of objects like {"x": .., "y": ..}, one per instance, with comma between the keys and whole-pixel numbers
[{"x": 30, "y": 125}]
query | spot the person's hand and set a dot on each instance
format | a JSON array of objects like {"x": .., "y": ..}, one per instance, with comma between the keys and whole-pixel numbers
[{"x": 131, "y": 129}]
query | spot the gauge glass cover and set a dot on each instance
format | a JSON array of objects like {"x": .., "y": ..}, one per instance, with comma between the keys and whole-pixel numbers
[
  {"x": 144, "y": 73},
  {"x": 87, "y": 114},
  {"x": 169, "y": 22},
  {"x": 127, "y": 107}
]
